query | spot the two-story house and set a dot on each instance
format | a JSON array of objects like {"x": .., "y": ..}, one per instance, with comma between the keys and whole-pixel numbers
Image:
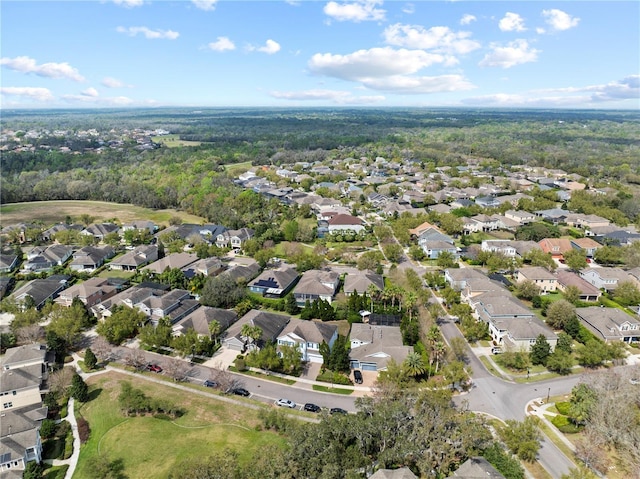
[
  {"x": 316, "y": 284},
  {"x": 234, "y": 239},
  {"x": 275, "y": 283},
  {"x": 610, "y": 324},
  {"x": 270, "y": 324},
  {"x": 345, "y": 222},
  {"x": 373, "y": 346},
  {"x": 90, "y": 292},
  {"x": 90, "y": 258},
  {"x": 359, "y": 282},
  {"x": 605, "y": 278},
  {"x": 307, "y": 336},
  {"x": 521, "y": 216},
  {"x": 541, "y": 277}
]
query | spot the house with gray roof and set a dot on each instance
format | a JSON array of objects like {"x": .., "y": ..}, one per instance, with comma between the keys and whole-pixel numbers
[
  {"x": 100, "y": 230},
  {"x": 372, "y": 346},
  {"x": 205, "y": 267},
  {"x": 605, "y": 278},
  {"x": 588, "y": 292},
  {"x": 200, "y": 319},
  {"x": 546, "y": 281},
  {"x": 401, "y": 473},
  {"x": 316, "y": 284},
  {"x": 137, "y": 257},
  {"x": 90, "y": 258},
  {"x": 359, "y": 282},
  {"x": 475, "y": 468},
  {"x": 90, "y": 292},
  {"x": 307, "y": 336},
  {"x": 41, "y": 290},
  {"x": 171, "y": 261},
  {"x": 8, "y": 262},
  {"x": 610, "y": 324},
  {"x": 271, "y": 325},
  {"x": 45, "y": 258},
  {"x": 275, "y": 283}
]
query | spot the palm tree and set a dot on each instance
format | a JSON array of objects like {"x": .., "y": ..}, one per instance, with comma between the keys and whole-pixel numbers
[
  {"x": 214, "y": 329},
  {"x": 414, "y": 364},
  {"x": 439, "y": 350},
  {"x": 372, "y": 292},
  {"x": 410, "y": 301}
]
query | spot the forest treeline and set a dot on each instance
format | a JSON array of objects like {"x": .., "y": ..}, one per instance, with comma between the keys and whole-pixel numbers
[{"x": 594, "y": 144}]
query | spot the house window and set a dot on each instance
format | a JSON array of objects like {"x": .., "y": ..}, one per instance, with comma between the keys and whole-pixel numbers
[{"x": 7, "y": 405}]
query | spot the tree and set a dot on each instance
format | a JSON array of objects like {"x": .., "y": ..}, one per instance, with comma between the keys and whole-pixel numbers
[
  {"x": 451, "y": 224},
  {"x": 290, "y": 304},
  {"x": 339, "y": 356},
  {"x": 251, "y": 334},
  {"x": 522, "y": 438},
  {"x": 135, "y": 358},
  {"x": 123, "y": 323},
  {"x": 291, "y": 359},
  {"x": 580, "y": 472},
  {"x": 28, "y": 334},
  {"x": 537, "y": 257},
  {"x": 33, "y": 470},
  {"x": 60, "y": 381},
  {"x": 560, "y": 361},
  {"x": 507, "y": 465},
  {"x": 222, "y": 291},
  {"x": 102, "y": 349},
  {"x": 591, "y": 354},
  {"x": 79, "y": 389},
  {"x": 7, "y": 340},
  {"x": 540, "y": 350},
  {"x": 459, "y": 348},
  {"x": 369, "y": 260},
  {"x": 393, "y": 252},
  {"x": 565, "y": 342},
  {"x": 446, "y": 260},
  {"x": 90, "y": 359},
  {"x": 416, "y": 253},
  {"x": 572, "y": 294},
  {"x": 559, "y": 312},
  {"x": 575, "y": 259},
  {"x": 414, "y": 364},
  {"x": 177, "y": 369},
  {"x": 215, "y": 328},
  {"x": 527, "y": 290},
  {"x": 67, "y": 322},
  {"x": 627, "y": 294},
  {"x": 583, "y": 401}
]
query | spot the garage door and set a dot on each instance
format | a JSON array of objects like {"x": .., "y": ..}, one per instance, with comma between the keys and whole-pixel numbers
[
  {"x": 315, "y": 358},
  {"x": 368, "y": 366}
]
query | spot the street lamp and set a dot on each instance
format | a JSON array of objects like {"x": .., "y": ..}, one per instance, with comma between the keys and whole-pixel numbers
[
  {"x": 548, "y": 393},
  {"x": 528, "y": 371}
]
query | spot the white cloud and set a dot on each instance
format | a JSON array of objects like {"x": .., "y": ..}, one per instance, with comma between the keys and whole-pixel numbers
[
  {"x": 91, "y": 92},
  {"x": 559, "y": 20},
  {"x": 222, "y": 44},
  {"x": 515, "y": 53},
  {"x": 207, "y": 5},
  {"x": 148, "y": 33},
  {"x": 357, "y": 11},
  {"x": 419, "y": 84},
  {"x": 440, "y": 39},
  {"x": 97, "y": 100},
  {"x": 626, "y": 89},
  {"x": 129, "y": 3},
  {"x": 376, "y": 62},
  {"x": 512, "y": 22},
  {"x": 467, "y": 19},
  {"x": 270, "y": 47},
  {"x": 110, "y": 82},
  {"x": 38, "y": 94},
  {"x": 50, "y": 70},
  {"x": 409, "y": 8},
  {"x": 336, "y": 96}
]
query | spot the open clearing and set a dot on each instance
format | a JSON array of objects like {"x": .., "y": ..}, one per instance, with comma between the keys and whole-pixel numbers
[
  {"x": 173, "y": 141},
  {"x": 150, "y": 447},
  {"x": 50, "y": 212}
]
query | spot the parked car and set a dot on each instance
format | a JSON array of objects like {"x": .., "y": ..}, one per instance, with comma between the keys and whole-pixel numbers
[
  {"x": 286, "y": 403},
  {"x": 241, "y": 392},
  {"x": 210, "y": 384},
  {"x": 634, "y": 381},
  {"x": 496, "y": 350},
  {"x": 311, "y": 407},
  {"x": 357, "y": 376},
  {"x": 337, "y": 410},
  {"x": 154, "y": 368}
]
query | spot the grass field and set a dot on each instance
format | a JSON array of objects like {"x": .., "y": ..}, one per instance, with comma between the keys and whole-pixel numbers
[
  {"x": 50, "y": 212},
  {"x": 149, "y": 447},
  {"x": 173, "y": 141}
]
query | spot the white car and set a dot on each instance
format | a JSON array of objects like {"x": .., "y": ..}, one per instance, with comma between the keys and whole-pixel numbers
[{"x": 286, "y": 403}]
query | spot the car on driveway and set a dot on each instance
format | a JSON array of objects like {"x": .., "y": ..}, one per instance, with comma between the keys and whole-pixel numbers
[
  {"x": 337, "y": 410},
  {"x": 357, "y": 376},
  {"x": 210, "y": 384},
  {"x": 154, "y": 368},
  {"x": 240, "y": 392},
  {"x": 286, "y": 403},
  {"x": 311, "y": 407}
]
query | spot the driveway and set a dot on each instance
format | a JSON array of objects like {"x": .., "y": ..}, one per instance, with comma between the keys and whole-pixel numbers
[{"x": 222, "y": 359}]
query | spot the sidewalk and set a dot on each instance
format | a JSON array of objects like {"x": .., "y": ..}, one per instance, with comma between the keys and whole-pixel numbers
[{"x": 533, "y": 408}]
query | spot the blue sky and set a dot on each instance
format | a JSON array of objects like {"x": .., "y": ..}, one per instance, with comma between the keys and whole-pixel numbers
[{"x": 115, "y": 53}]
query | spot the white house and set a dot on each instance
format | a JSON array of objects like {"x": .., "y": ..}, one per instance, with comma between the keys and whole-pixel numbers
[{"x": 307, "y": 336}]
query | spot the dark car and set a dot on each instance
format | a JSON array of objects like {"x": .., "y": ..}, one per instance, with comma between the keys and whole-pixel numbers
[
  {"x": 311, "y": 407},
  {"x": 357, "y": 376},
  {"x": 154, "y": 368},
  {"x": 337, "y": 410},
  {"x": 210, "y": 384},
  {"x": 241, "y": 392}
]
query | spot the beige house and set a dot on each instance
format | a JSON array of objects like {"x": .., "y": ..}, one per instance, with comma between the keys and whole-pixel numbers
[{"x": 543, "y": 279}]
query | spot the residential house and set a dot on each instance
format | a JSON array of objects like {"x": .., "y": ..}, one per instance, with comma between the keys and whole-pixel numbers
[
  {"x": 41, "y": 259},
  {"x": 360, "y": 282},
  {"x": 8, "y": 262},
  {"x": 271, "y": 325},
  {"x": 307, "y": 336},
  {"x": 541, "y": 277},
  {"x": 23, "y": 376},
  {"x": 242, "y": 273},
  {"x": 440, "y": 208},
  {"x": 90, "y": 258},
  {"x": 605, "y": 278},
  {"x": 316, "y": 284},
  {"x": 487, "y": 202},
  {"x": 100, "y": 230},
  {"x": 610, "y": 324},
  {"x": 200, "y": 319},
  {"x": 20, "y": 439},
  {"x": 426, "y": 226},
  {"x": 49, "y": 234},
  {"x": 173, "y": 305},
  {"x": 458, "y": 277},
  {"x": 476, "y": 467},
  {"x": 586, "y": 222},
  {"x": 141, "y": 225},
  {"x": 557, "y": 247},
  {"x": 344, "y": 222},
  {"x": 588, "y": 292},
  {"x": 90, "y": 292},
  {"x": 41, "y": 290},
  {"x": 129, "y": 297},
  {"x": 401, "y": 473},
  {"x": 192, "y": 232},
  {"x": 171, "y": 261},
  {"x": 521, "y": 216},
  {"x": 275, "y": 283},
  {"x": 373, "y": 347},
  {"x": 553, "y": 215},
  {"x": 510, "y": 322},
  {"x": 634, "y": 274},
  {"x": 504, "y": 247},
  {"x": 587, "y": 245},
  {"x": 135, "y": 258},
  {"x": 205, "y": 267},
  {"x": 433, "y": 249},
  {"x": 234, "y": 239},
  {"x": 504, "y": 223}
]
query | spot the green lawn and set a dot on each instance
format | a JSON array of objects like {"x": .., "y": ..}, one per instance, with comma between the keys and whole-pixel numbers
[{"x": 149, "y": 447}]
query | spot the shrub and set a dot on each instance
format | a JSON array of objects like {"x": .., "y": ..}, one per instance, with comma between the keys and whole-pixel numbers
[
  {"x": 68, "y": 446},
  {"x": 241, "y": 365},
  {"x": 563, "y": 407},
  {"x": 564, "y": 425},
  {"x": 48, "y": 428},
  {"x": 83, "y": 429}
]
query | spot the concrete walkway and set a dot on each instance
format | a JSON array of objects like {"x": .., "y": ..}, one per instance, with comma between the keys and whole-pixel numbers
[
  {"x": 72, "y": 461},
  {"x": 535, "y": 408}
]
